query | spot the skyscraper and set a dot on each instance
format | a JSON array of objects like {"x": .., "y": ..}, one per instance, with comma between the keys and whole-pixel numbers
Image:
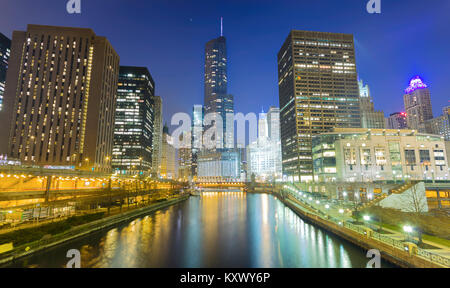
[
  {"x": 168, "y": 156},
  {"x": 318, "y": 90},
  {"x": 5, "y": 46},
  {"x": 417, "y": 100},
  {"x": 134, "y": 121},
  {"x": 157, "y": 135},
  {"x": 185, "y": 159},
  {"x": 370, "y": 118},
  {"x": 397, "y": 121},
  {"x": 60, "y": 97},
  {"x": 273, "y": 120},
  {"x": 197, "y": 136},
  {"x": 217, "y": 99}
]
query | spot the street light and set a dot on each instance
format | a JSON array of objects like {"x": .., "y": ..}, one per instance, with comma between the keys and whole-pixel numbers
[
  {"x": 366, "y": 218},
  {"x": 408, "y": 230}
]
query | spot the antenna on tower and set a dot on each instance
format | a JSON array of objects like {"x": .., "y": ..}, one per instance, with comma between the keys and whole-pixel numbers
[{"x": 221, "y": 26}]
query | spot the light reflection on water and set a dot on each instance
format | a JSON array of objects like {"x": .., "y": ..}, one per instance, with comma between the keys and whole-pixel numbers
[{"x": 235, "y": 230}]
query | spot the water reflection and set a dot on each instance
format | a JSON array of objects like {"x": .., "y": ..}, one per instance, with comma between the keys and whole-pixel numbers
[{"x": 215, "y": 230}]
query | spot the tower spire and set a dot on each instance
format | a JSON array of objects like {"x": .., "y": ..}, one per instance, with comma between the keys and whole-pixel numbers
[{"x": 221, "y": 26}]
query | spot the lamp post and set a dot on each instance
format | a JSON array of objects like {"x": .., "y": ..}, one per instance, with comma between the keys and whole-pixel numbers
[{"x": 408, "y": 230}]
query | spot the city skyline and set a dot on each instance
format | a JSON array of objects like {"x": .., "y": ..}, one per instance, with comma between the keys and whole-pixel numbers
[
  {"x": 387, "y": 85},
  {"x": 349, "y": 157}
]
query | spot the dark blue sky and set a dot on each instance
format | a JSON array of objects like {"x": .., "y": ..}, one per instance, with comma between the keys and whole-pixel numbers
[{"x": 410, "y": 37}]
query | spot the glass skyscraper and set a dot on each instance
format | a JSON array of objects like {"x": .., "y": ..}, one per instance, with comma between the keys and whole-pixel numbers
[
  {"x": 318, "y": 90},
  {"x": 5, "y": 46},
  {"x": 134, "y": 122},
  {"x": 217, "y": 99}
]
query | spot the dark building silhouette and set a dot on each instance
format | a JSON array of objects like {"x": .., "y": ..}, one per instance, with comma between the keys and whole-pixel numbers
[{"x": 5, "y": 46}]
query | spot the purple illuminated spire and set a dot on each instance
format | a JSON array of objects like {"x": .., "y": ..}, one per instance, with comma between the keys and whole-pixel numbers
[{"x": 415, "y": 84}]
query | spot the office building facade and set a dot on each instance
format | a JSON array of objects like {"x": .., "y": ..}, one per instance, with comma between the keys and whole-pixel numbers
[
  {"x": 134, "y": 121},
  {"x": 61, "y": 97},
  {"x": 219, "y": 166},
  {"x": 318, "y": 91},
  {"x": 366, "y": 155}
]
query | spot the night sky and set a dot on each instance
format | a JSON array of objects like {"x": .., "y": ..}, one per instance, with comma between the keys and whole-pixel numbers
[{"x": 410, "y": 37}]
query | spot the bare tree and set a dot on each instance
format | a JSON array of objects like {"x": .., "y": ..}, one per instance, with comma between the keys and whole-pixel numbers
[{"x": 416, "y": 203}]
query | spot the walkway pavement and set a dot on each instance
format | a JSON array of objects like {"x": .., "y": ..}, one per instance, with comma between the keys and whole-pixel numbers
[{"x": 335, "y": 210}]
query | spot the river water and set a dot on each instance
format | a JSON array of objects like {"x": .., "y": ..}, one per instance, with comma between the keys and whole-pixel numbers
[{"x": 216, "y": 230}]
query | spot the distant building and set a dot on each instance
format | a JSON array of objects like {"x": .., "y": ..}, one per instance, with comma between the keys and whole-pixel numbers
[
  {"x": 157, "y": 136},
  {"x": 318, "y": 91},
  {"x": 219, "y": 166},
  {"x": 185, "y": 159},
  {"x": 168, "y": 164},
  {"x": 60, "y": 98},
  {"x": 197, "y": 136},
  {"x": 370, "y": 118},
  {"x": 438, "y": 126},
  {"x": 134, "y": 121},
  {"x": 397, "y": 121},
  {"x": 5, "y": 51},
  {"x": 273, "y": 120},
  {"x": 264, "y": 155},
  {"x": 417, "y": 100},
  {"x": 363, "y": 155}
]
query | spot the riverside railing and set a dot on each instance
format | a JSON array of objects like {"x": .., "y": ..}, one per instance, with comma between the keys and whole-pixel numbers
[{"x": 430, "y": 256}]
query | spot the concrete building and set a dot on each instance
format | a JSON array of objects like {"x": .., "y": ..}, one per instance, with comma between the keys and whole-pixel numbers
[
  {"x": 318, "y": 91},
  {"x": 360, "y": 155},
  {"x": 157, "y": 136},
  {"x": 417, "y": 100},
  {"x": 168, "y": 158},
  {"x": 134, "y": 121},
  {"x": 60, "y": 98},
  {"x": 397, "y": 121},
  {"x": 370, "y": 118},
  {"x": 5, "y": 52}
]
